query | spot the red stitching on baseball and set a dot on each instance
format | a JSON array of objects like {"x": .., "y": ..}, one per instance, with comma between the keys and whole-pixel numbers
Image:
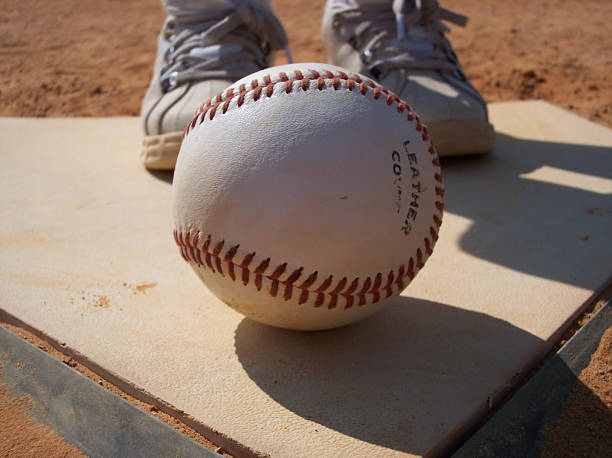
[
  {"x": 420, "y": 262},
  {"x": 434, "y": 234},
  {"x": 227, "y": 103},
  {"x": 227, "y": 265},
  {"x": 212, "y": 112},
  {"x": 428, "y": 248},
  {"x": 425, "y": 133}
]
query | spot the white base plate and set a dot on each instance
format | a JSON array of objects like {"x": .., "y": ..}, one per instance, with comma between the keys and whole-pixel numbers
[{"x": 87, "y": 257}]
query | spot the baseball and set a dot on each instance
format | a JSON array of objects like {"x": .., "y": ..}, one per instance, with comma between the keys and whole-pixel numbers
[{"x": 305, "y": 196}]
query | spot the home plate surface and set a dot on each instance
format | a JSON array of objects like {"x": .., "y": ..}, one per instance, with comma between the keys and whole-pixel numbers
[{"x": 87, "y": 257}]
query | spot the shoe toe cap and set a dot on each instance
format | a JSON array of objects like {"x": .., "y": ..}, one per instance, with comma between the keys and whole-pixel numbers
[
  {"x": 437, "y": 100},
  {"x": 456, "y": 118},
  {"x": 175, "y": 109}
]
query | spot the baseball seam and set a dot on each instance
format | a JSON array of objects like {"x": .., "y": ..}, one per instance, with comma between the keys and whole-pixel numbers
[
  {"x": 204, "y": 253},
  {"x": 338, "y": 80},
  {"x": 210, "y": 255}
]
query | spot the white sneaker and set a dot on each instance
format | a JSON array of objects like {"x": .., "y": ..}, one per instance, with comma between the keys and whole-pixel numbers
[
  {"x": 204, "y": 46},
  {"x": 401, "y": 44}
]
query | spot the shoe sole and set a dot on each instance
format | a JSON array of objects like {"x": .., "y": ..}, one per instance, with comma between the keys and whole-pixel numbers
[
  {"x": 159, "y": 152},
  {"x": 452, "y": 138},
  {"x": 458, "y": 138}
]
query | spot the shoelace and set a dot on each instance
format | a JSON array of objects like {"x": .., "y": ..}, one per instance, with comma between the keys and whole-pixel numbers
[
  {"x": 216, "y": 43},
  {"x": 381, "y": 52}
]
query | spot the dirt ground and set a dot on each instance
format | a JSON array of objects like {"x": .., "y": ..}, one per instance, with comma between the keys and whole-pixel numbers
[
  {"x": 92, "y": 58},
  {"x": 588, "y": 422},
  {"x": 20, "y": 435}
]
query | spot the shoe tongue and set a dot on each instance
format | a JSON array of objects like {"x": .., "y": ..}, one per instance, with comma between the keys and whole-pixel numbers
[
  {"x": 216, "y": 50},
  {"x": 416, "y": 32}
]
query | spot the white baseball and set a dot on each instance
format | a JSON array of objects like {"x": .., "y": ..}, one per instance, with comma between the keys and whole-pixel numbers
[{"x": 306, "y": 195}]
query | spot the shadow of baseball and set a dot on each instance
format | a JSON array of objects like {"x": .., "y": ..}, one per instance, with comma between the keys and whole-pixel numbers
[{"x": 403, "y": 379}]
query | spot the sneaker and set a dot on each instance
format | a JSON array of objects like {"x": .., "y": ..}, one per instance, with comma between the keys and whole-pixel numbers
[
  {"x": 402, "y": 44},
  {"x": 204, "y": 46}
]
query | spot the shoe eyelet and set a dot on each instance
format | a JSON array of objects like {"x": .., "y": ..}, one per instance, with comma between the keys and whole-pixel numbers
[
  {"x": 168, "y": 52},
  {"x": 366, "y": 56},
  {"x": 166, "y": 67},
  {"x": 169, "y": 83}
]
